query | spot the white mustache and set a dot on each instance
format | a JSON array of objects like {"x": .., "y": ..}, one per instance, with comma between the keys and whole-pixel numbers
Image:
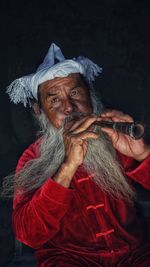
[{"x": 75, "y": 116}]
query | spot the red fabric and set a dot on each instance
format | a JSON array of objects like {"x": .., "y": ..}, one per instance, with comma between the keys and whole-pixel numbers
[{"x": 81, "y": 226}]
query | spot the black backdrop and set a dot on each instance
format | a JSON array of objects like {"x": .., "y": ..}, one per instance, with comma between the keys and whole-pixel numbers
[{"x": 114, "y": 34}]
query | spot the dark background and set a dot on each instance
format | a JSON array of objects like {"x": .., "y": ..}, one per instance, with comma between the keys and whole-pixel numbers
[{"x": 114, "y": 34}]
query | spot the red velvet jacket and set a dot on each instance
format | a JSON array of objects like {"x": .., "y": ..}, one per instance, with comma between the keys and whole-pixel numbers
[{"x": 80, "y": 226}]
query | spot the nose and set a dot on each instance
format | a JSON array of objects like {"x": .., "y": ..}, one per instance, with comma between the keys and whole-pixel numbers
[{"x": 68, "y": 106}]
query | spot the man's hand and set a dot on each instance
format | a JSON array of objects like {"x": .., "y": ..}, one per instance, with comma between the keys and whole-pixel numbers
[
  {"x": 136, "y": 149},
  {"x": 75, "y": 142}
]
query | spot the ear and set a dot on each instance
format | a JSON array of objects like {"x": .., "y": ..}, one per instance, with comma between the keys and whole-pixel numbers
[{"x": 36, "y": 108}]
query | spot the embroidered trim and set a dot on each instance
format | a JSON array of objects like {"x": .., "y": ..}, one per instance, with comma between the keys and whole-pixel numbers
[
  {"x": 94, "y": 207},
  {"x": 105, "y": 233},
  {"x": 85, "y": 179}
]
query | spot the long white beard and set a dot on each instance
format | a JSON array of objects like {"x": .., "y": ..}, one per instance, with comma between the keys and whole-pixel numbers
[{"x": 100, "y": 160}]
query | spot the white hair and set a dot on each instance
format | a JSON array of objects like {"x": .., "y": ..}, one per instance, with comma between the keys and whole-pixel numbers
[{"x": 100, "y": 159}]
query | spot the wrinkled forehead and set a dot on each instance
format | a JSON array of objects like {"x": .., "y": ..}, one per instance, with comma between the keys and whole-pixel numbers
[{"x": 72, "y": 80}]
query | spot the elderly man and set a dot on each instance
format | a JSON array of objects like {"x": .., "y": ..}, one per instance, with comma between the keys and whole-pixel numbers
[{"x": 74, "y": 187}]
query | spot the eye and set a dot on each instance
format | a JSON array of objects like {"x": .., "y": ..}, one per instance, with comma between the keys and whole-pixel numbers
[
  {"x": 74, "y": 92},
  {"x": 55, "y": 99}
]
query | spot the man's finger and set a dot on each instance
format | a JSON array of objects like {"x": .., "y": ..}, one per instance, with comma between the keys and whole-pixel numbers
[
  {"x": 116, "y": 115},
  {"x": 86, "y": 135},
  {"x": 84, "y": 125}
]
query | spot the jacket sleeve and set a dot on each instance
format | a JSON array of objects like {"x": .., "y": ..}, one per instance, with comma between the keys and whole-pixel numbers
[
  {"x": 137, "y": 171},
  {"x": 37, "y": 216}
]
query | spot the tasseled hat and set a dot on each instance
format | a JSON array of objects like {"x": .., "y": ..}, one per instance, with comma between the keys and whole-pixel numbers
[{"x": 26, "y": 88}]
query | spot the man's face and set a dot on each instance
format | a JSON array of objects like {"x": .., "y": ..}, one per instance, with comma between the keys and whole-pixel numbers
[{"x": 62, "y": 96}]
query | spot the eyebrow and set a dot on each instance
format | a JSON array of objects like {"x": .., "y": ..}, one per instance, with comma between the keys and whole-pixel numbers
[
  {"x": 50, "y": 94},
  {"x": 78, "y": 84}
]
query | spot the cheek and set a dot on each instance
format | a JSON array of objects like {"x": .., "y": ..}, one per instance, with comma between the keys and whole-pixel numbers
[
  {"x": 55, "y": 116},
  {"x": 50, "y": 111},
  {"x": 85, "y": 106}
]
